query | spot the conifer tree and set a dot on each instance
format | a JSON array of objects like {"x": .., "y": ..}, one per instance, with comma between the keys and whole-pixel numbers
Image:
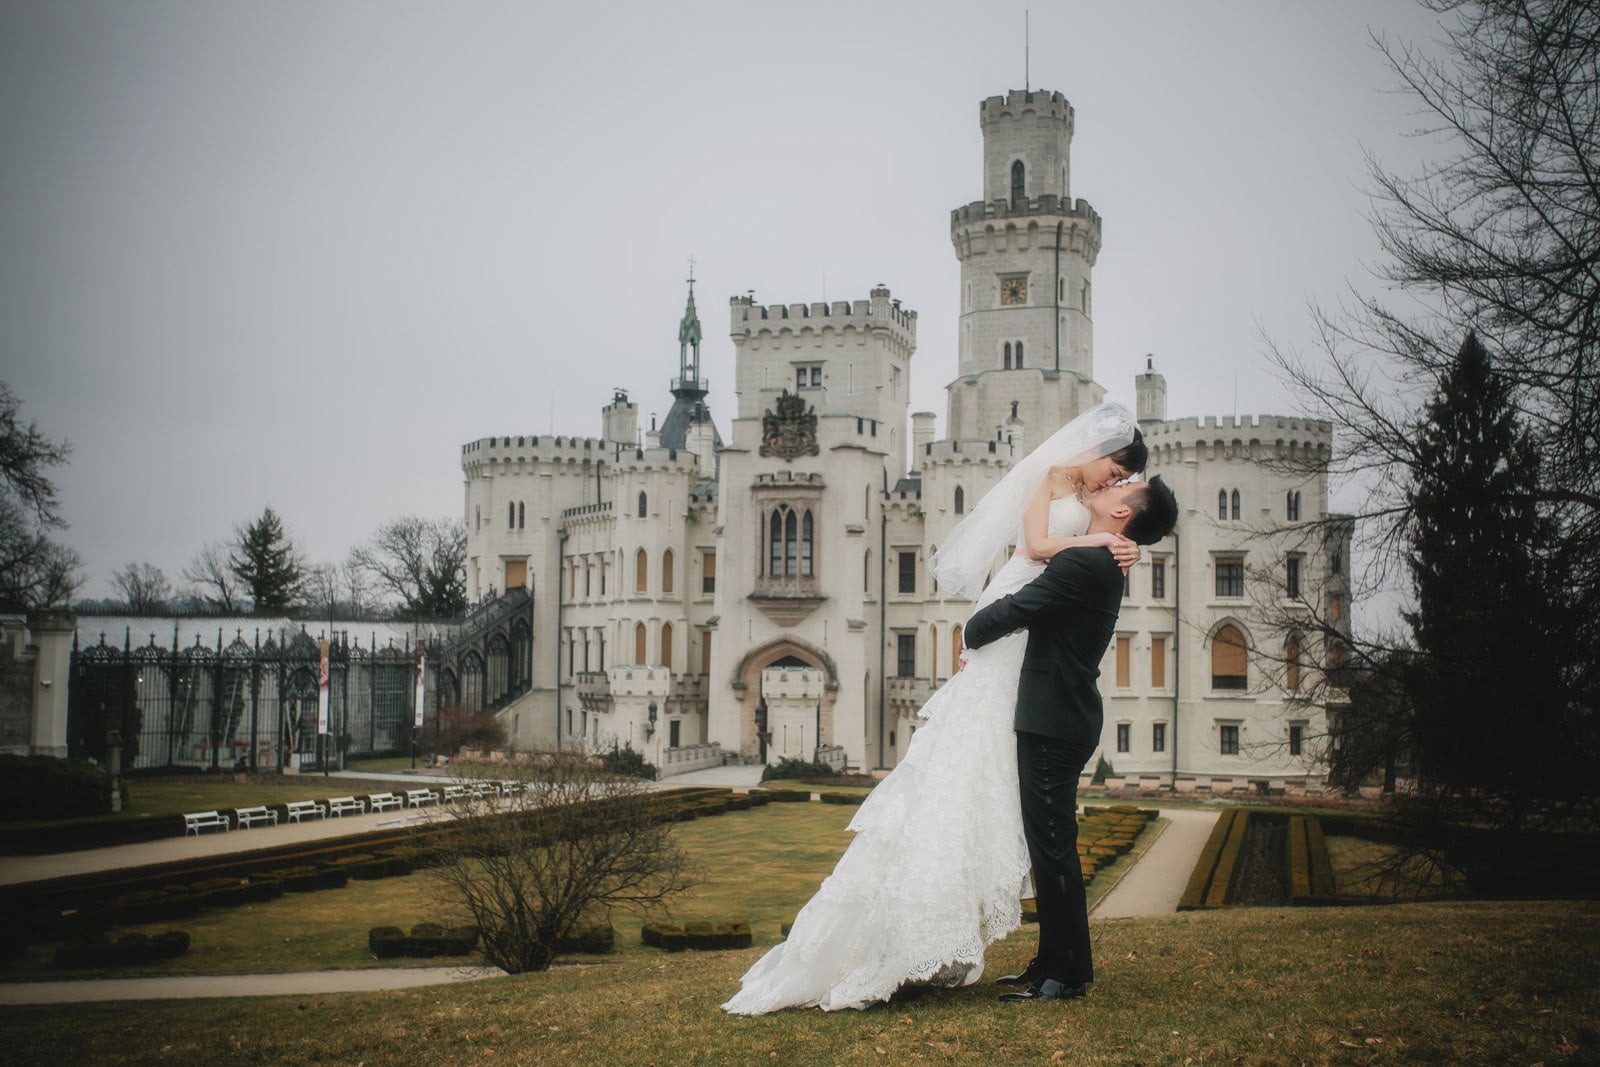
[
  {"x": 267, "y": 564},
  {"x": 1485, "y": 681}
]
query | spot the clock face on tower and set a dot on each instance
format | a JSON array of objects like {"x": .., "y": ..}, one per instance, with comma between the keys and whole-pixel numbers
[{"x": 1013, "y": 290}]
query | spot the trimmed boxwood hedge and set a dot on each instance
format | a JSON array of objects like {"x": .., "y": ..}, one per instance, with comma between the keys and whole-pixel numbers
[
  {"x": 698, "y": 934},
  {"x": 594, "y": 940},
  {"x": 426, "y": 940},
  {"x": 45, "y": 787},
  {"x": 842, "y": 798},
  {"x": 782, "y": 796},
  {"x": 1213, "y": 872},
  {"x": 100, "y": 950}
]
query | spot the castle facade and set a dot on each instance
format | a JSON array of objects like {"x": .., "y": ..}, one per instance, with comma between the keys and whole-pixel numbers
[{"x": 766, "y": 595}]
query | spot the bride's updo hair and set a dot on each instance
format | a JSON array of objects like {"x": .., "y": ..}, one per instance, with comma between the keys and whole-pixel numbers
[{"x": 1132, "y": 456}]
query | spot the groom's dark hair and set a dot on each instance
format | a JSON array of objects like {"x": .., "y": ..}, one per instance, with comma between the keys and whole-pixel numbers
[
  {"x": 1155, "y": 513},
  {"x": 1133, "y": 455}
]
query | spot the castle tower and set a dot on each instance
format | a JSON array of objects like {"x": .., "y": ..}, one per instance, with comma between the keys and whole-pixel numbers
[{"x": 1150, "y": 392}]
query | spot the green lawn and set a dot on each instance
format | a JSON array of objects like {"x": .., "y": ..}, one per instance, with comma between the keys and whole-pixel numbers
[{"x": 1466, "y": 983}]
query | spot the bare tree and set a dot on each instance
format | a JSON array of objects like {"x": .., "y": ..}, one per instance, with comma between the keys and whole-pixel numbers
[
  {"x": 420, "y": 561},
  {"x": 570, "y": 843},
  {"x": 211, "y": 578},
  {"x": 143, "y": 587},
  {"x": 34, "y": 570}
]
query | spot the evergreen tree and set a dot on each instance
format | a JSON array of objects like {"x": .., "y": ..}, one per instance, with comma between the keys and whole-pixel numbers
[
  {"x": 267, "y": 564},
  {"x": 1485, "y": 679}
]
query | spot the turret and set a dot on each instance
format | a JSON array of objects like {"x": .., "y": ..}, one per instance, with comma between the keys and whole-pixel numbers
[
  {"x": 1026, "y": 141},
  {"x": 921, "y": 435},
  {"x": 620, "y": 420},
  {"x": 1150, "y": 392}
]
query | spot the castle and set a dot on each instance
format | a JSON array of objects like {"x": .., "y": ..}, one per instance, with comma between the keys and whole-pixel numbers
[{"x": 767, "y": 595}]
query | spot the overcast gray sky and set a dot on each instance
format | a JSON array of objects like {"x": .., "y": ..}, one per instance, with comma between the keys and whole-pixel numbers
[{"x": 298, "y": 253}]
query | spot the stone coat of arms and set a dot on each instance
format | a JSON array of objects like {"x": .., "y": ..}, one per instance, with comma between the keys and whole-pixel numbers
[{"x": 792, "y": 431}]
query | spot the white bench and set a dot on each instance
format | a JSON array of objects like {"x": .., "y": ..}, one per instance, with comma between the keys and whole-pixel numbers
[
  {"x": 385, "y": 801},
  {"x": 341, "y": 806},
  {"x": 195, "y": 821},
  {"x": 456, "y": 793},
  {"x": 248, "y": 817},
  {"x": 416, "y": 798},
  {"x": 299, "y": 809}
]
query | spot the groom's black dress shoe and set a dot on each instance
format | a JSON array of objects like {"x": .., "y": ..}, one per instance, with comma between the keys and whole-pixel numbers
[
  {"x": 1045, "y": 989},
  {"x": 1027, "y": 976}
]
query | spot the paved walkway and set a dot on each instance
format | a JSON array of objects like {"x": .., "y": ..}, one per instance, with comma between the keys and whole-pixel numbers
[
  {"x": 1153, "y": 885},
  {"x": 185, "y": 987}
]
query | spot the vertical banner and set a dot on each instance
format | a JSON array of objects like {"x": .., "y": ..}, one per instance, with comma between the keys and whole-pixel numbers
[
  {"x": 322, "y": 691},
  {"x": 421, "y": 656}
]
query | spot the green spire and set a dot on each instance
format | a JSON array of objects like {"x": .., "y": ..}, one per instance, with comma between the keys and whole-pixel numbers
[{"x": 689, "y": 338}]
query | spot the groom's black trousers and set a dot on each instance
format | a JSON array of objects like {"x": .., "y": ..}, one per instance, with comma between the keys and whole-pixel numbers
[{"x": 1047, "y": 771}]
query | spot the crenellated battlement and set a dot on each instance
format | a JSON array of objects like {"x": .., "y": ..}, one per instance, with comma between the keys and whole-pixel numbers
[
  {"x": 1283, "y": 434},
  {"x": 746, "y": 316},
  {"x": 970, "y": 451},
  {"x": 786, "y": 478},
  {"x": 1047, "y": 204},
  {"x": 530, "y": 448},
  {"x": 1019, "y": 102}
]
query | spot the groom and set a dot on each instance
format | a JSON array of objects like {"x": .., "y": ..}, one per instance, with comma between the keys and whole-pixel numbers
[{"x": 1070, "y": 612}]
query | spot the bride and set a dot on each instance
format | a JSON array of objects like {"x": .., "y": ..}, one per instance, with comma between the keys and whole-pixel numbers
[{"x": 938, "y": 866}]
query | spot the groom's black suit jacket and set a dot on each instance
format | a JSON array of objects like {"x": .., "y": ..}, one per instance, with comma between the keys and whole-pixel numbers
[{"x": 1070, "y": 612}]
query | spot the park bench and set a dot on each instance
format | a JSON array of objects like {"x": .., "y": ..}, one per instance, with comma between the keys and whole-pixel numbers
[
  {"x": 248, "y": 817},
  {"x": 195, "y": 821},
  {"x": 339, "y": 806},
  {"x": 416, "y": 798},
  {"x": 385, "y": 801},
  {"x": 456, "y": 793},
  {"x": 299, "y": 809}
]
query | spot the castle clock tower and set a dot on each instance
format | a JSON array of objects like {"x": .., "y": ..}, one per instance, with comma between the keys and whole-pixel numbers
[{"x": 1027, "y": 250}]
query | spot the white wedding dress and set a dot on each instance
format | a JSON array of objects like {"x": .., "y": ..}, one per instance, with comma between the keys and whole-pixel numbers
[{"x": 938, "y": 865}]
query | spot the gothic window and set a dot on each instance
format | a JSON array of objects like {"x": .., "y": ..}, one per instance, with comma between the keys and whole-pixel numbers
[
  {"x": 572, "y": 581},
  {"x": 790, "y": 543},
  {"x": 666, "y": 571},
  {"x": 1293, "y": 505},
  {"x": 511, "y": 516},
  {"x": 955, "y": 648},
  {"x": 641, "y": 577},
  {"x": 961, "y": 501},
  {"x": 1235, "y": 501},
  {"x": 522, "y": 516},
  {"x": 588, "y": 579},
  {"x": 1018, "y": 173},
  {"x": 643, "y": 505},
  {"x": 638, "y": 643},
  {"x": 666, "y": 645},
  {"x": 1229, "y": 664},
  {"x": 933, "y": 654},
  {"x": 866, "y": 571},
  {"x": 1019, "y": 353},
  {"x": 1008, "y": 355},
  {"x": 1061, "y": 289},
  {"x": 1222, "y": 504},
  {"x": 1085, "y": 298}
]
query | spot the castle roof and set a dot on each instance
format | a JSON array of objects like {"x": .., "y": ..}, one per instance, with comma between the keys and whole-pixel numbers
[{"x": 688, "y": 407}]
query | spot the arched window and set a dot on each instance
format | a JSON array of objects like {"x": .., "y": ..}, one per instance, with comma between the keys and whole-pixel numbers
[
  {"x": 866, "y": 571},
  {"x": 1018, "y": 184},
  {"x": 1222, "y": 503},
  {"x": 775, "y": 545},
  {"x": 955, "y": 648},
  {"x": 961, "y": 501},
  {"x": 572, "y": 581},
  {"x": 511, "y": 516},
  {"x": 1229, "y": 663},
  {"x": 1291, "y": 663},
  {"x": 933, "y": 653},
  {"x": 666, "y": 645},
  {"x": 1236, "y": 505},
  {"x": 641, "y": 577},
  {"x": 1008, "y": 355},
  {"x": 1061, "y": 290},
  {"x": 1293, "y": 505},
  {"x": 1019, "y": 353},
  {"x": 588, "y": 579},
  {"x": 522, "y": 516},
  {"x": 644, "y": 505},
  {"x": 666, "y": 571},
  {"x": 638, "y": 643},
  {"x": 791, "y": 544}
]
